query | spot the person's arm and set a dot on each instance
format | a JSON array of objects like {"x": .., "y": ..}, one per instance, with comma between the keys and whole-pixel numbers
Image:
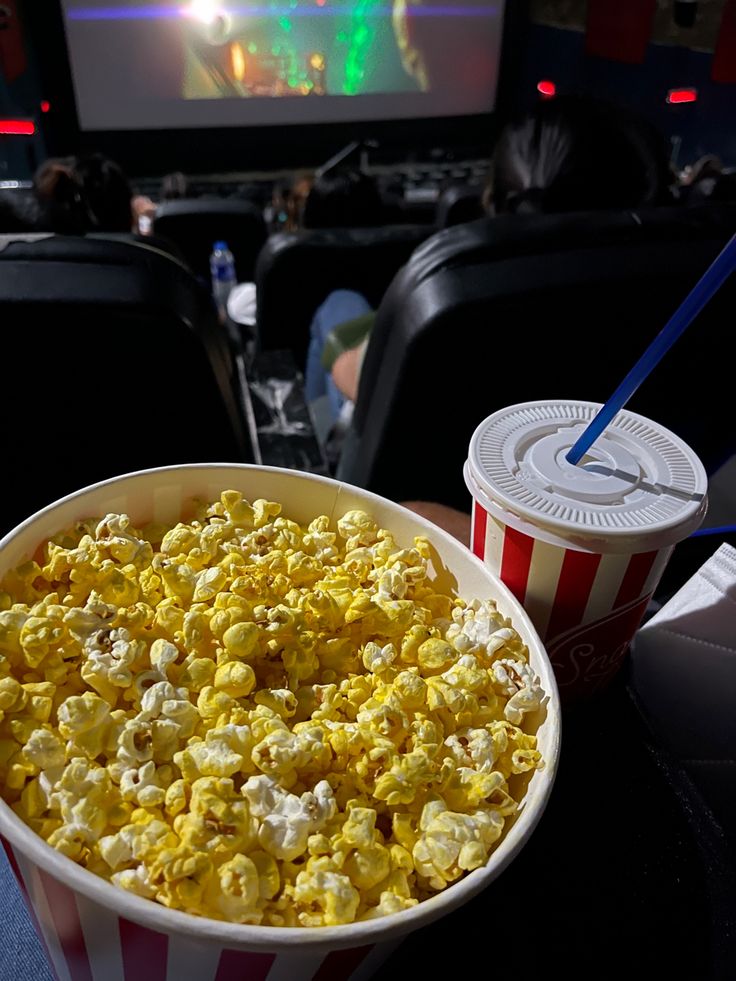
[
  {"x": 346, "y": 370},
  {"x": 142, "y": 207}
]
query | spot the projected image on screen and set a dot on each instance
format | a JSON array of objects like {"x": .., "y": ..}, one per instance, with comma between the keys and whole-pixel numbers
[{"x": 224, "y": 63}]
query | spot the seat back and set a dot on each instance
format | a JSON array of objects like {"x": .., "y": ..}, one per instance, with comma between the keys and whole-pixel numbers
[
  {"x": 297, "y": 270},
  {"x": 19, "y": 210},
  {"x": 195, "y": 225},
  {"x": 152, "y": 241},
  {"x": 458, "y": 204},
  {"x": 518, "y": 308},
  {"x": 118, "y": 363}
]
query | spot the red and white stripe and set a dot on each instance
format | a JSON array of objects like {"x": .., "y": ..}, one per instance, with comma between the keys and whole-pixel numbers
[
  {"x": 88, "y": 942},
  {"x": 563, "y": 588}
]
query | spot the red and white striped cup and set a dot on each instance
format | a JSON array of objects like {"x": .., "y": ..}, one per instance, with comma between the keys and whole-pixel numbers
[
  {"x": 582, "y": 547},
  {"x": 95, "y": 931}
]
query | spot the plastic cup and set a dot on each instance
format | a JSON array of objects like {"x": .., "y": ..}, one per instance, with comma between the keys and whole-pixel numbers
[
  {"x": 94, "y": 931},
  {"x": 582, "y": 547}
]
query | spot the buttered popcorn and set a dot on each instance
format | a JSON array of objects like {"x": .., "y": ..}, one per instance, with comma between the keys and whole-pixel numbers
[{"x": 250, "y": 720}]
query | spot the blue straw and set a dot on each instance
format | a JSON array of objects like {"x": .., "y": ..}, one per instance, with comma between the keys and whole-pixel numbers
[
  {"x": 714, "y": 277},
  {"x": 720, "y": 530}
]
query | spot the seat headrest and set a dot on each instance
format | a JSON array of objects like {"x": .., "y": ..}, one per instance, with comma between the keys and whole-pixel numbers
[
  {"x": 122, "y": 249},
  {"x": 509, "y": 236},
  {"x": 187, "y": 207}
]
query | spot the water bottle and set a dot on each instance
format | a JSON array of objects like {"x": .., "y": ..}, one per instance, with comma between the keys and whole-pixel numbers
[{"x": 222, "y": 271}]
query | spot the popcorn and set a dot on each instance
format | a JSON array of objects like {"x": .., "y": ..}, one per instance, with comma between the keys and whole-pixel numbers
[
  {"x": 331, "y": 892},
  {"x": 235, "y": 679},
  {"x": 237, "y": 890},
  {"x": 140, "y": 786},
  {"x": 451, "y": 843},
  {"x": 249, "y": 720},
  {"x": 377, "y": 659},
  {"x": 44, "y": 750},
  {"x": 241, "y": 640},
  {"x": 287, "y": 820}
]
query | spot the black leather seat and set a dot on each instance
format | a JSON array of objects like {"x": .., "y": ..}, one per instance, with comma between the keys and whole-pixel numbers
[
  {"x": 113, "y": 360},
  {"x": 195, "y": 225},
  {"x": 515, "y": 308},
  {"x": 151, "y": 241},
  {"x": 297, "y": 270},
  {"x": 458, "y": 204}
]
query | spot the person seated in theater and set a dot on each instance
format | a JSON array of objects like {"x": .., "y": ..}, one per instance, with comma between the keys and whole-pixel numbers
[
  {"x": 340, "y": 198},
  {"x": 567, "y": 154},
  {"x": 83, "y": 194},
  {"x": 175, "y": 187},
  {"x": 343, "y": 197},
  {"x": 287, "y": 201},
  {"x": 578, "y": 154}
]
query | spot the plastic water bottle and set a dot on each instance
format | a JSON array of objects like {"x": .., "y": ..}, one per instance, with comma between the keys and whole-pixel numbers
[{"x": 222, "y": 271}]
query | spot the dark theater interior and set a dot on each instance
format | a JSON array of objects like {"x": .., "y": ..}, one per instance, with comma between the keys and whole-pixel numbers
[{"x": 335, "y": 239}]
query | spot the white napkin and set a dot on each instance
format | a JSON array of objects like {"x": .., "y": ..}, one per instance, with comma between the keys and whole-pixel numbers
[
  {"x": 683, "y": 663},
  {"x": 241, "y": 304}
]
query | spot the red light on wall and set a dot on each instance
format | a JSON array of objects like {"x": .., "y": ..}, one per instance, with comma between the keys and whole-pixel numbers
[
  {"x": 45, "y": 106},
  {"x": 677, "y": 96},
  {"x": 547, "y": 89},
  {"x": 17, "y": 127}
]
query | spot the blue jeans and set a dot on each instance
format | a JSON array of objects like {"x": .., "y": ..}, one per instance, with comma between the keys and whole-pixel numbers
[
  {"x": 340, "y": 306},
  {"x": 21, "y": 956}
]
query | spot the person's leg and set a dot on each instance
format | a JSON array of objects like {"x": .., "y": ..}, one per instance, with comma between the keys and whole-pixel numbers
[
  {"x": 340, "y": 306},
  {"x": 21, "y": 955}
]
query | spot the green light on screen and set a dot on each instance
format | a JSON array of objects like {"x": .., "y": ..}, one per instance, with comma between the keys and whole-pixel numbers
[{"x": 361, "y": 38}]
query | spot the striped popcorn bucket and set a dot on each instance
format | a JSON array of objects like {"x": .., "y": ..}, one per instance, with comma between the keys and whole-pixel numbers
[
  {"x": 581, "y": 547},
  {"x": 94, "y": 931}
]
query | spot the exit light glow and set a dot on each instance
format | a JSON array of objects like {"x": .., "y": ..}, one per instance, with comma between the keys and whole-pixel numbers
[
  {"x": 17, "y": 127},
  {"x": 677, "y": 96}
]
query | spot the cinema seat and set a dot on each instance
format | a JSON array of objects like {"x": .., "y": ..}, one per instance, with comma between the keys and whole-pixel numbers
[
  {"x": 118, "y": 363},
  {"x": 515, "y": 308},
  {"x": 458, "y": 204},
  {"x": 297, "y": 270},
  {"x": 195, "y": 225}
]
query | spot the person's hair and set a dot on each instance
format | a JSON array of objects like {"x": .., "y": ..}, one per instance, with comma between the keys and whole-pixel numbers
[
  {"x": 577, "y": 154},
  {"x": 343, "y": 198},
  {"x": 83, "y": 194},
  {"x": 175, "y": 186}
]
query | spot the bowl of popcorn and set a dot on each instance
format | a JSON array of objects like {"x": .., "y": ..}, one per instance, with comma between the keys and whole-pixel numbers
[{"x": 257, "y": 723}]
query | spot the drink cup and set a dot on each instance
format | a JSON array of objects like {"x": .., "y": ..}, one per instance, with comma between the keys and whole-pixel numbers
[{"x": 583, "y": 546}]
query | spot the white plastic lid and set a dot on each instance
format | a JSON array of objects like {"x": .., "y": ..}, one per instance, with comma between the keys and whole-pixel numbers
[{"x": 639, "y": 487}]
